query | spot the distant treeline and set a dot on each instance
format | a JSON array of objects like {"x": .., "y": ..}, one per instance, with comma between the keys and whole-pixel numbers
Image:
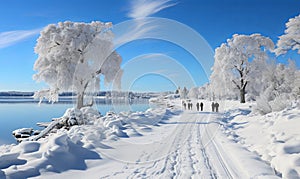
[
  {"x": 16, "y": 93},
  {"x": 29, "y": 94},
  {"x": 102, "y": 93}
]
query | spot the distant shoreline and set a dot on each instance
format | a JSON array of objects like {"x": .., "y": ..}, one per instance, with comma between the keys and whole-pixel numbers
[
  {"x": 102, "y": 93},
  {"x": 105, "y": 97}
]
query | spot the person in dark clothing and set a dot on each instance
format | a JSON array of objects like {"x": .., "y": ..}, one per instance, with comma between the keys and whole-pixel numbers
[
  {"x": 184, "y": 105},
  {"x": 201, "y": 106},
  {"x": 189, "y": 106},
  {"x": 197, "y": 105},
  {"x": 217, "y": 107},
  {"x": 213, "y": 107}
]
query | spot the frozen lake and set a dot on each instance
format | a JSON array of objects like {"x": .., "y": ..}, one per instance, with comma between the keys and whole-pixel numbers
[{"x": 24, "y": 112}]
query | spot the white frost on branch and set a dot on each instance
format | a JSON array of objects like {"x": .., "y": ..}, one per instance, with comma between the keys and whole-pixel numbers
[
  {"x": 50, "y": 95},
  {"x": 291, "y": 39}
]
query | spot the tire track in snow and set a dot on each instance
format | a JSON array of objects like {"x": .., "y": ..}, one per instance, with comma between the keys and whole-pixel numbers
[
  {"x": 185, "y": 168},
  {"x": 221, "y": 161},
  {"x": 169, "y": 165},
  {"x": 192, "y": 154},
  {"x": 217, "y": 153},
  {"x": 188, "y": 156},
  {"x": 207, "y": 162}
]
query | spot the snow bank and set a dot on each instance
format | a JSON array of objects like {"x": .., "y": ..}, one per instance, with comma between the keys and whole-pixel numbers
[
  {"x": 69, "y": 149},
  {"x": 56, "y": 154},
  {"x": 75, "y": 116},
  {"x": 275, "y": 136},
  {"x": 128, "y": 124}
]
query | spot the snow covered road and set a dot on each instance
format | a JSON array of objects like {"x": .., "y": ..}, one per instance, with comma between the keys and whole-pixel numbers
[{"x": 187, "y": 146}]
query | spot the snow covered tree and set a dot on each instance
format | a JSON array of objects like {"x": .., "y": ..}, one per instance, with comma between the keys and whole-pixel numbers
[
  {"x": 204, "y": 92},
  {"x": 291, "y": 39},
  {"x": 71, "y": 56},
  {"x": 194, "y": 92},
  {"x": 183, "y": 93},
  {"x": 177, "y": 90},
  {"x": 259, "y": 78},
  {"x": 281, "y": 87},
  {"x": 232, "y": 62}
]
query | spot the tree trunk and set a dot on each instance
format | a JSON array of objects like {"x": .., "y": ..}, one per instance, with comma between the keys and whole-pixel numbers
[
  {"x": 242, "y": 95},
  {"x": 243, "y": 90},
  {"x": 79, "y": 100}
]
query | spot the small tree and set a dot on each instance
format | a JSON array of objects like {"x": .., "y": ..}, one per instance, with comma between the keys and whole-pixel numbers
[
  {"x": 183, "y": 93},
  {"x": 291, "y": 39},
  {"x": 194, "y": 93},
  {"x": 232, "y": 61},
  {"x": 177, "y": 90},
  {"x": 71, "y": 56}
]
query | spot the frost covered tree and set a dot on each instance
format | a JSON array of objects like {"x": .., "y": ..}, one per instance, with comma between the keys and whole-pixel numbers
[
  {"x": 183, "y": 93},
  {"x": 259, "y": 79},
  {"x": 71, "y": 56},
  {"x": 281, "y": 86},
  {"x": 194, "y": 93},
  {"x": 204, "y": 92},
  {"x": 233, "y": 59},
  {"x": 177, "y": 90},
  {"x": 291, "y": 39}
]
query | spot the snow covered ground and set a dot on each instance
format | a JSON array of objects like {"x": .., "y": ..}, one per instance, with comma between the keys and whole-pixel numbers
[
  {"x": 275, "y": 136},
  {"x": 158, "y": 143}
]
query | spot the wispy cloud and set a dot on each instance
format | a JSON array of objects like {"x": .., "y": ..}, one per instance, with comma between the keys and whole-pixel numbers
[
  {"x": 12, "y": 37},
  {"x": 146, "y": 8},
  {"x": 141, "y": 24}
]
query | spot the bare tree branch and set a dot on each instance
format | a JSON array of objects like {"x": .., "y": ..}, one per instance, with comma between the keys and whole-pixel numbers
[{"x": 237, "y": 85}]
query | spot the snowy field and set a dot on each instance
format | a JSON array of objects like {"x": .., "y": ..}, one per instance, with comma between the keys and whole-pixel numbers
[
  {"x": 164, "y": 143},
  {"x": 275, "y": 137}
]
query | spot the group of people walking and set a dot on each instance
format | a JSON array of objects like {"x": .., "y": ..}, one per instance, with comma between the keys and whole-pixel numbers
[
  {"x": 199, "y": 106},
  {"x": 189, "y": 106},
  {"x": 215, "y": 107}
]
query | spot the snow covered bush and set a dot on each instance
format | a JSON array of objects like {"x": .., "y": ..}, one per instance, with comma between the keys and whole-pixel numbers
[
  {"x": 281, "y": 102},
  {"x": 72, "y": 55},
  {"x": 280, "y": 87},
  {"x": 74, "y": 116},
  {"x": 263, "y": 105}
]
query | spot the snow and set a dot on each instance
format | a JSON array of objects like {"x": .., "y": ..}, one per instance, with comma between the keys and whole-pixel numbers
[
  {"x": 23, "y": 130},
  {"x": 275, "y": 136},
  {"x": 163, "y": 142}
]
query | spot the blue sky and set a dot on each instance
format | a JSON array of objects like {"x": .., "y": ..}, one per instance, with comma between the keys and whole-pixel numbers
[{"x": 214, "y": 20}]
